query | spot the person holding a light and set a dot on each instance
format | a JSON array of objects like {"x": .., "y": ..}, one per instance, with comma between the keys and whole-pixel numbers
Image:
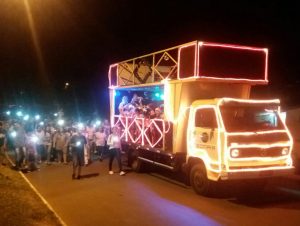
[
  {"x": 77, "y": 144},
  {"x": 114, "y": 142}
]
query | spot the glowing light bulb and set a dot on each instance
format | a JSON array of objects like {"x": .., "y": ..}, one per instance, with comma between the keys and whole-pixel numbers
[
  {"x": 60, "y": 122},
  {"x": 34, "y": 139},
  {"x": 13, "y": 134}
]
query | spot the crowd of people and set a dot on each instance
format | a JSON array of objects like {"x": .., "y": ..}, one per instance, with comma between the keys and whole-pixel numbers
[
  {"x": 136, "y": 108},
  {"x": 144, "y": 115},
  {"x": 59, "y": 144}
]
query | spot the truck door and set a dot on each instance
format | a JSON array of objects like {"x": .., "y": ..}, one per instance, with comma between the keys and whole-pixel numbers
[{"x": 205, "y": 133}]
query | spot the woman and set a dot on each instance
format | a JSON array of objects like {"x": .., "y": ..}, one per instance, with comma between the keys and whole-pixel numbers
[{"x": 114, "y": 142}]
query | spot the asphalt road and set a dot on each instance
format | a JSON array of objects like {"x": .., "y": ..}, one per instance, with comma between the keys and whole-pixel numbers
[{"x": 152, "y": 199}]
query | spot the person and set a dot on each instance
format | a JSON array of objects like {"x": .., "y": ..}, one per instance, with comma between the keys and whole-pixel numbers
[
  {"x": 67, "y": 135},
  {"x": 77, "y": 144},
  {"x": 136, "y": 100},
  {"x": 100, "y": 139},
  {"x": 58, "y": 144},
  {"x": 40, "y": 144},
  {"x": 19, "y": 143},
  {"x": 106, "y": 127},
  {"x": 90, "y": 131},
  {"x": 32, "y": 153},
  {"x": 122, "y": 105},
  {"x": 114, "y": 142},
  {"x": 3, "y": 141},
  {"x": 47, "y": 143}
]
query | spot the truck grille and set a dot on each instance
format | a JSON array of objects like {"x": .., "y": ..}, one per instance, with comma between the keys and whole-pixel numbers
[{"x": 260, "y": 152}]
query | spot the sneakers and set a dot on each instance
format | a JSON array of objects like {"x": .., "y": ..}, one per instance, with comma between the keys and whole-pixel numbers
[
  {"x": 111, "y": 172},
  {"x": 122, "y": 173}
]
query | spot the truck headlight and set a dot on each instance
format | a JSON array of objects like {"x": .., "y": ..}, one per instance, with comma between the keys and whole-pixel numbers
[
  {"x": 235, "y": 153},
  {"x": 284, "y": 151}
]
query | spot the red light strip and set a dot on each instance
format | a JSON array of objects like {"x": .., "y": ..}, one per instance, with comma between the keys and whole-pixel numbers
[
  {"x": 265, "y": 50},
  {"x": 195, "y": 60},
  {"x": 109, "y": 75},
  {"x": 134, "y": 121}
]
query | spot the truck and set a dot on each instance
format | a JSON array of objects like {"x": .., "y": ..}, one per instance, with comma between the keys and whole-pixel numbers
[{"x": 195, "y": 115}]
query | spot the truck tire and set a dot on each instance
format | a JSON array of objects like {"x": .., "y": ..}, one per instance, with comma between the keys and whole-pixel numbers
[
  {"x": 137, "y": 165},
  {"x": 199, "y": 180}
]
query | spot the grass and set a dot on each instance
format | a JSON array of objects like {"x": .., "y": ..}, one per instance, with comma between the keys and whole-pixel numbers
[{"x": 19, "y": 205}]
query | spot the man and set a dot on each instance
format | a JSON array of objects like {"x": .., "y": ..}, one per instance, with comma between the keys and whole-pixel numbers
[
  {"x": 90, "y": 131},
  {"x": 77, "y": 143},
  {"x": 59, "y": 142},
  {"x": 100, "y": 139},
  {"x": 39, "y": 144},
  {"x": 3, "y": 141},
  {"x": 19, "y": 142},
  {"x": 122, "y": 105}
]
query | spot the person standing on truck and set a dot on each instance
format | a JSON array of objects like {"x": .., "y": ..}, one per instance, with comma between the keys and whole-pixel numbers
[
  {"x": 122, "y": 105},
  {"x": 114, "y": 142}
]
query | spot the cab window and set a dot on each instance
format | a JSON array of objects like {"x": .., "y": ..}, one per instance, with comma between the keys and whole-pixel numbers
[{"x": 206, "y": 117}]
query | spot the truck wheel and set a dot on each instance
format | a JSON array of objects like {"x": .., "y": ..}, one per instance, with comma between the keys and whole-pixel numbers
[
  {"x": 199, "y": 181},
  {"x": 137, "y": 165}
]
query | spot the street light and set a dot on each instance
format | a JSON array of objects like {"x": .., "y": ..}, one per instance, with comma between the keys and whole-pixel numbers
[
  {"x": 8, "y": 113},
  {"x": 37, "y": 117}
]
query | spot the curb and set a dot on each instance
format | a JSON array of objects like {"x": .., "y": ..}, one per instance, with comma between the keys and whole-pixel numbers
[{"x": 39, "y": 195}]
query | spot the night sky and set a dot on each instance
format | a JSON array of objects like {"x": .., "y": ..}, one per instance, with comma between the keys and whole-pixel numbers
[{"x": 75, "y": 41}]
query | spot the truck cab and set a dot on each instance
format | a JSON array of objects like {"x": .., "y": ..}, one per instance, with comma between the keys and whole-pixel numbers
[{"x": 239, "y": 139}]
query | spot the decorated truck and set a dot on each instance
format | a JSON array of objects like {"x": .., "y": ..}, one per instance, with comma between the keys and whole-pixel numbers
[{"x": 188, "y": 109}]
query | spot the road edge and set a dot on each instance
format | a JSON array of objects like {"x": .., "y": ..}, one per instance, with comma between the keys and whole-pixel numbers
[{"x": 39, "y": 195}]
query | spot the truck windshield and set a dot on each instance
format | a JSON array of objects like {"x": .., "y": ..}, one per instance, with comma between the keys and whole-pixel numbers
[{"x": 250, "y": 118}]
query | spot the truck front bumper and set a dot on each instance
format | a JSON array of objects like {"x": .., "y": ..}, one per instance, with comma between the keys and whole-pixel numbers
[{"x": 257, "y": 174}]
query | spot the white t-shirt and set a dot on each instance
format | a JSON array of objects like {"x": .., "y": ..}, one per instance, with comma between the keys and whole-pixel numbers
[
  {"x": 114, "y": 141},
  {"x": 100, "y": 138}
]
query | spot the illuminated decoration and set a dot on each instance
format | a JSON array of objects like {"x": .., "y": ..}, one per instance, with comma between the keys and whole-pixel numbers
[
  {"x": 8, "y": 113},
  {"x": 26, "y": 117},
  {"x": 187, "y": 61},
  {"x": 136, "y": 130},
  {"x": 37, "y": 117},
  {"x": 13, "y": 134},
  {"x": 61, "y": 122},
  {"x": 191, "y": 89},
  {"x": 233, "y": 153},
  {"x": 264, "y": 51},
  {"x": 19, "y": 113},
  {"x": 179, "y": 74}
]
